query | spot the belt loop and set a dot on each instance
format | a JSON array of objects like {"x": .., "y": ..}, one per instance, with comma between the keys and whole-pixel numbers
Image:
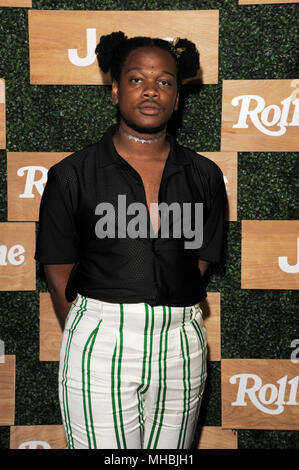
[
  {"x": 195, "y": 309},
  {"x": 191, "y": 313}
]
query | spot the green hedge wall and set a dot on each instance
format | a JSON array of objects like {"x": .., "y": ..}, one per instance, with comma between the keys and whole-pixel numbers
[{"x": 255, "y": 42}]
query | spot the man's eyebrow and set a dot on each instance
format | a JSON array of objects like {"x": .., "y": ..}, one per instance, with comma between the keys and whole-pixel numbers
[{"x": 140, "y": 68}]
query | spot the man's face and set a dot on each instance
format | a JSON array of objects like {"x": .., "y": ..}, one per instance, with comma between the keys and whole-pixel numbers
[{"x": 147, "y": 92}]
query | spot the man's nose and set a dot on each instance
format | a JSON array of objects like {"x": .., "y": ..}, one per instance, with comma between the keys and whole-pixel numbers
[{"x": 150, "y": 90}]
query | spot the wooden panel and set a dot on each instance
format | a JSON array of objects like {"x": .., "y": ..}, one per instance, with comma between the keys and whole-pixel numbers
[
  {"x": 211, "y": 315},
  {"x": 26, "y": 179},
  {"x": 37, "y": 437},
  {"x": 7, "y": 391},
  {"x": 260, "y": 115},
  {"x": 17, "y": 248},
  {"x": 228, "y": 163},
  {"x": 2, "y": 115},
  {"x": 270, "y": 254},
  {"x": 214, "y": 437},
  {"x": 50, "y": 330},
  {"x": 62, "y": 43},
  {"x": 260, "y": 394},
  {"x": 15, "y": 3}
]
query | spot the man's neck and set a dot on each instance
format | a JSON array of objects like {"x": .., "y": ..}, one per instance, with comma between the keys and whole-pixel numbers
[{"x": 129, "y": 148}]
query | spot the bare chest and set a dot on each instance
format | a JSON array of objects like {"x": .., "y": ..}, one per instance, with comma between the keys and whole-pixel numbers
[{"x": 151, "y": 175}]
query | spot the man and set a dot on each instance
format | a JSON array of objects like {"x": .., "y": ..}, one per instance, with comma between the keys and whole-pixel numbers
[{"x": 133, "y": 353}]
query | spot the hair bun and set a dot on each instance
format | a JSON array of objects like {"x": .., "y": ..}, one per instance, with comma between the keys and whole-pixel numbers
[
  {"x": 188, "y": 60},
  {"x": 104, "y": 49}
]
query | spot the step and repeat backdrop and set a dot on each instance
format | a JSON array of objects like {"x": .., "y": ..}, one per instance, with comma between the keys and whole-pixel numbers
[{"x": 242, "y": 111}]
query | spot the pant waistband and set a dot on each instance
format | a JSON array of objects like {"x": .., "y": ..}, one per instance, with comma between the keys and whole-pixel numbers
[{"x": 135, "y": 315}]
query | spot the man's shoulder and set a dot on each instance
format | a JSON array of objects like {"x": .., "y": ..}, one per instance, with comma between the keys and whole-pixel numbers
[
  {"x": 200, "y": 162},
  {"x": 86, "y": 159},
  {"x": 67, "y": 172},
  {"x": 77, "y": 158}
]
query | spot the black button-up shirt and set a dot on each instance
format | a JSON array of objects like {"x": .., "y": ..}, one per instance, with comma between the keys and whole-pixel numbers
[{"x": 157, "y": 270}]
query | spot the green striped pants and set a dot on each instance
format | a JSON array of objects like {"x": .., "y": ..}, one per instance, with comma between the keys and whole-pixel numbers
[{"x": 131, "y": 376}]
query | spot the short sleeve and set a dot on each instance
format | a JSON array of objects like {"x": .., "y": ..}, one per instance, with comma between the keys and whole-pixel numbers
[
  {"x": 57, "y": 240},
  {"x": 214, "y": 220}
]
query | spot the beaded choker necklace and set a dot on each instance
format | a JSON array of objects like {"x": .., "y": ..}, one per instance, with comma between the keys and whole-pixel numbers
[{"x": 143, "y": 141}]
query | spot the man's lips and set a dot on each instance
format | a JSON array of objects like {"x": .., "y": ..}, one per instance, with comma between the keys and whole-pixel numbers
[{"x": 149, "y": 108}]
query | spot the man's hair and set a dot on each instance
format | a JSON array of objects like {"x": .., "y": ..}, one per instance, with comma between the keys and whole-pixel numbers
[{"x": 113, "y": 49}]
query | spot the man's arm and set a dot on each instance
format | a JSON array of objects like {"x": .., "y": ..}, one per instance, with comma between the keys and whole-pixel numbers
[
  {"x": 57, "y": 276},
  {"x": 203, "y": 266}
]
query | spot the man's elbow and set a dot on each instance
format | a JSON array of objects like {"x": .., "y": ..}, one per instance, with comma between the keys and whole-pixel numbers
[{"x": 57, "y": 275}]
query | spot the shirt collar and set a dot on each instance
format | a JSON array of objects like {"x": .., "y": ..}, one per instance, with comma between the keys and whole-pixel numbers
[{"x": 109, "y": 156}]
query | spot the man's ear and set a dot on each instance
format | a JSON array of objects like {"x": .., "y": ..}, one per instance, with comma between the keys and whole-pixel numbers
[
  {"x": 176, "y": 103},
  {"x": 114, "y": 91}
]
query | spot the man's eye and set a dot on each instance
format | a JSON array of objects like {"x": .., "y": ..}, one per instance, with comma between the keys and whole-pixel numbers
[
  {"x": 135, "y": 80},
  {"x": 165, "y": 82}
]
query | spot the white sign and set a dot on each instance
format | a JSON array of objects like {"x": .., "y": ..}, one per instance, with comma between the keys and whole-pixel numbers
[
  {"x": 35, "y": 445},
  {"x": 285, "y": 266},
  {"x": 262, "y": 395},
  {"x": 30, "y": 181},
  {"x": 263, "y": 117},
  {"x": 11, "y": 255}
]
